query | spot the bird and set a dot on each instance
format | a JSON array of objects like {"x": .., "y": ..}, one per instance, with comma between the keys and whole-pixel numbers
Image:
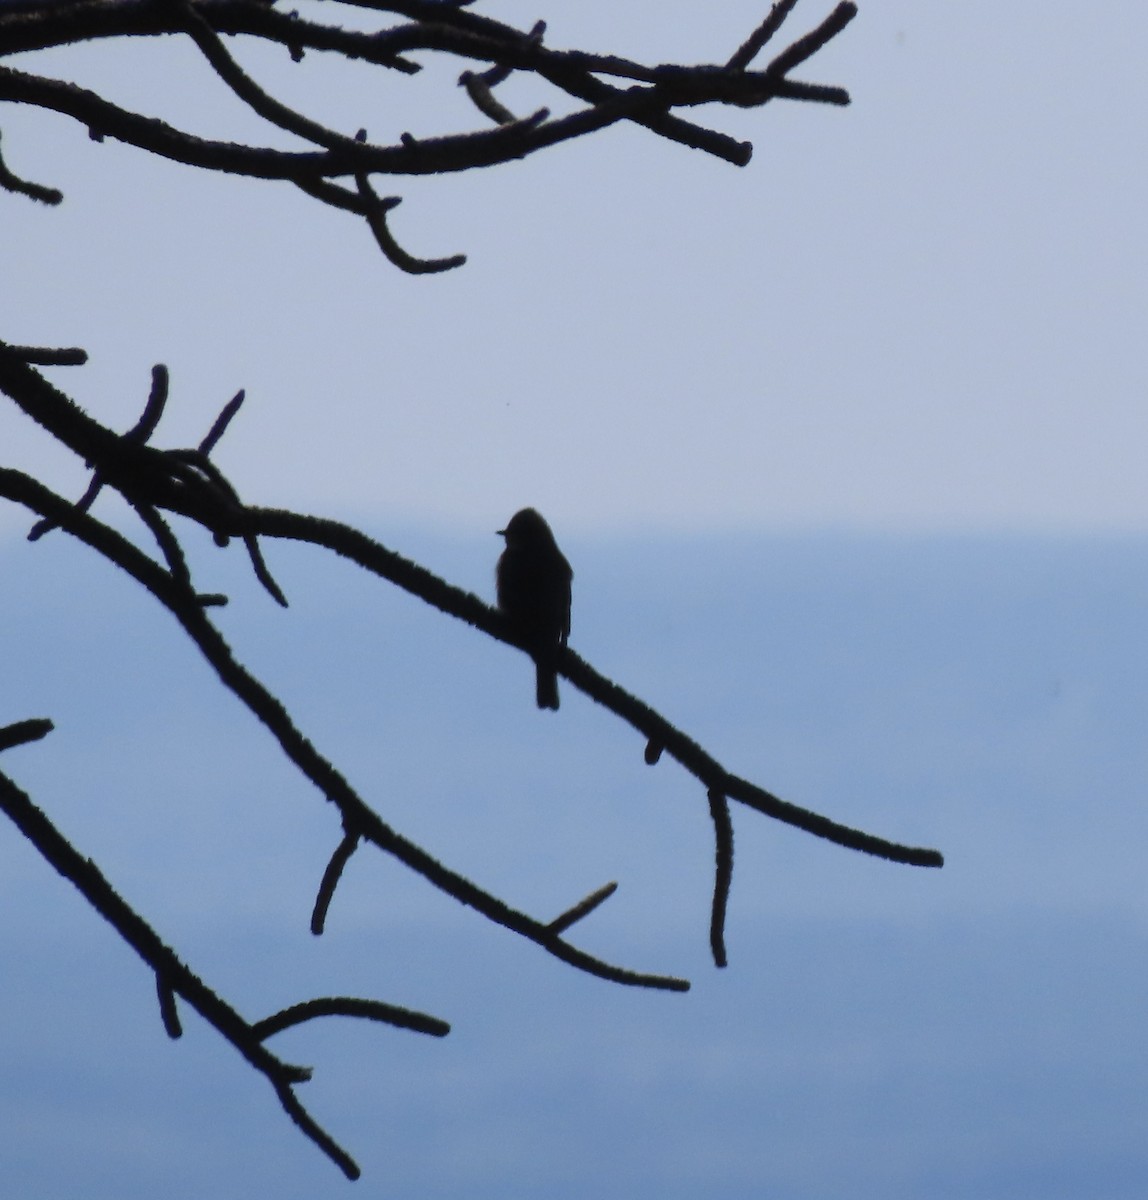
[{"x": 533, "y": 585}]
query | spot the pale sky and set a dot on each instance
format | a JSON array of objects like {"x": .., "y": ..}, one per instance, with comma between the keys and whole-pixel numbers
[
  {"x": 922, "y": 314},
  {"x": 924, "y": 311}
]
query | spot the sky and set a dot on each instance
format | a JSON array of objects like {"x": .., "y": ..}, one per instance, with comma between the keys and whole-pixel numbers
[
  {"x": 846, "y": 450},
  {"x": 880, "y": 1032},
  {"x": 920, "y": 312}
]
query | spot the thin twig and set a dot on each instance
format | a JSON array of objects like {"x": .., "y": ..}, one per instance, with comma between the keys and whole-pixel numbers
[
  {"x": 11, "y": 182},
  {"x": 375, "y": 210},
  {"x": 583, "y": 908},
  {"x": 219, "y": 427},
  {"x": 805, "y": 47},
  {"x": 349, "y": 1006},
  {"x": 723, "y": 874},
  {"x": 168, "y": 1010},
  {"x": 753, "y": 45},
  {"x": 330, "y": 881},
  {"x": 152, "y": 414}
]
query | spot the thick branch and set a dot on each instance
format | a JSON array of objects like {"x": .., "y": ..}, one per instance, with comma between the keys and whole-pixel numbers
[{"x": 186, "y": 608}]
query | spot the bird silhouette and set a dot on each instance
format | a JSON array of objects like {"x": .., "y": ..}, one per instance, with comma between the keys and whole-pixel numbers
[{"x": 533, "y": 584}]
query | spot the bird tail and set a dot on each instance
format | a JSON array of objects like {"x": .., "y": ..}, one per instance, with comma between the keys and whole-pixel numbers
[{"x": 546, "y": 690}]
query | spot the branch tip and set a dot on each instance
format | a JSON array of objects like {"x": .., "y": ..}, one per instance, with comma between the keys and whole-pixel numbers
[
  {"x": 753, "y": 45},
  {"x": 12, "y": 182},
  {"x": 50, "y": 356},
  {"x": 349, "y": 1006},
  {"x": 723, "y": 872},
  {"x": 220, "y": 424},
  {"x": 582, "y": 909},
  {"x": 20, "y": 733},
  {"x": 153, "y": 408},
  {"x": 168, "y": 1011},
  {"x": 376, "y": 215},
  {"x": 330, "y": 880}
]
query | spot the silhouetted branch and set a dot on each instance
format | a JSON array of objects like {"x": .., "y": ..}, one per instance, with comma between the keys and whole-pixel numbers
[
  {"x": 219, "y": 426},
  {"x": 22, "y": 732},
  {"x": 349, "y": 543},
  {"x": 479, "y": 85},
  {"x": 723, "y": 874},
  {"x": 264, "y": 105},
  {"x": 336, "y": 169},
  {"x": 375, "y": 211},
  {"x": 583, "y": 908},
  {"x": 34, "y": 191},
  {"x": 150, "y": 486},
  {"x": 755, "y": 43},
  {"x": 183, "y": 481},
  {"x": 49, "y": 356},
  {"x": 349, "y": 1006},
  {"x": 174, "y": 978},
  {"x": 647, "y": 95},
  {"x": 478, "y": 88},
  {"x": 806, "y": 47},
  {"x": 185, "y": 606},
  {"x": 168, "y": 1010},
  {"x": 330, "y": 880},
  {"x": 54, "y": 410},
  {"x": 168, "y": 544},
  {"x": 149, "y": 420}
]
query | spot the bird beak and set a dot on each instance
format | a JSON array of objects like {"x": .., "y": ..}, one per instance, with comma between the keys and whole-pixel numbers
[{"x": 500, "y": 532}]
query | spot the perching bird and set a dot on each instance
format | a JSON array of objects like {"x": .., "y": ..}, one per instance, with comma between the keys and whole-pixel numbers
[{"x": 533, "y": 584}]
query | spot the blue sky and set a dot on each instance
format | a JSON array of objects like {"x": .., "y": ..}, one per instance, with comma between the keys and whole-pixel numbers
[
  {"x": 847, "y": 452},
  {"x": 881, "y": 1031}
]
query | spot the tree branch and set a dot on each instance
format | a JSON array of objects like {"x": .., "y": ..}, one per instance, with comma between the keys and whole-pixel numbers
[
  {"x": 175, "y": 978},
  {"x": 185, "y": 606}
]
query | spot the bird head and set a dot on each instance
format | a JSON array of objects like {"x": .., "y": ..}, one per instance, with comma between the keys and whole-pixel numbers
[{"x": 527, "y": 528}]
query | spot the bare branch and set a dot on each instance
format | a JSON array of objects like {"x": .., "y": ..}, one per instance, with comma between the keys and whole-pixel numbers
[
  {"x": 34, "y": 191},
  {"x": 360, "y": 549},
  {"x": 479, "y": 85},
  {"x": 375, "y": 210},
  {"x": 219, "y": 427},
  {"x": 47, "y": 356},
  {"x": 478, "y": 89},
  {"x": 806, "y": 47},
  {"x": 349, "y": 1006},
  {"x": 172, "y": 975},
  {"x": 583, "y": 908},
  {"x": 23, "y": 732},
  {"x": 330, "y": 881},
  {"x": 153, "y": 409},
  {"x": 251, "y": 93},
  {"x": 186, "y": 608},
  {"x": 723, "y": 874},
  {"x": 168, "y": 1010},
  {"x": 95, "y": 486},
  {"x": 753, "y": 45}
]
